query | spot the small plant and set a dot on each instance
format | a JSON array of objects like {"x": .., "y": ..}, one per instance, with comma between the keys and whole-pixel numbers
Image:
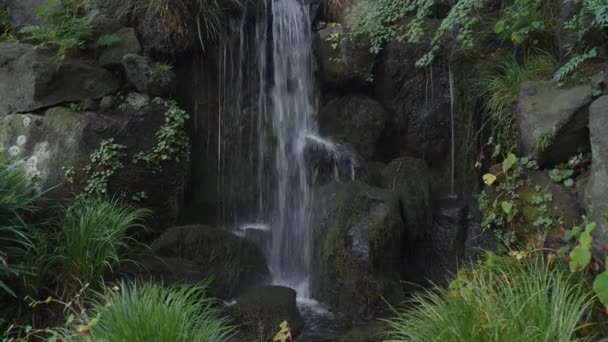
[
  {"x": 153, "y": 312},
  {"x": 162, "y": 73},
  {"x": 562, "y": 175},
  {"x": 544, "y": 141},
  {"x": 93, "y": 238},
  {"x": 500, "y": 299},
  {"x": 6, "y": 31},
  {"x": 574, "y": 64},
  {"x": 173, "y": 142},
  {"x": 105, "y": 161},
  {"x": 76, "y": 106},
  {"x": 284, "y": 333},
  {"x": 520, "y": 21}
]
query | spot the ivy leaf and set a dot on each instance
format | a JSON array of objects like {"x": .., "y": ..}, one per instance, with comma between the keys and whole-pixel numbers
[
  {"x": 489, "y": 179},
  {"x": 569, "y": 182},
  {"x": 508, "y": 163},
  {"x": 506, "y": 207}
]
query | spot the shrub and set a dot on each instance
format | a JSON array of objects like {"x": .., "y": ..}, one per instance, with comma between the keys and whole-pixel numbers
[
  {"x": 503, "y": 300},
  {"x": 151, "y": 312},
  {"x": 16, "y": 198},
  {"x": 93, "y": 238}
]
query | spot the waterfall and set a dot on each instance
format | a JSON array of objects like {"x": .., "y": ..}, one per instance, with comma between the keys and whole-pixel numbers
[{"x": 266, "y": 108}]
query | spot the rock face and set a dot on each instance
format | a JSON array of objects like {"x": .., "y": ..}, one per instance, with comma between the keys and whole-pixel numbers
[
  {"x": 356, "y": 119},
  {"x": 22, "y": 12},
  {"x": 233, "y": 263},
  {"x": 63, "y": 138},
  {"x": 31, "y": 79},
  {"x": 418, "y": 102},
  {"x": 596, "y": 194},
  {"x": 344, "y": 62},
  {"x": 357, "y": 248},
  {"x": 145, "y": 77},
  {"x": 553, "y": 121},
  {"x": 260, "y": 312},
  {"x": 128, "y": 43},
  {"x": 410, "y": 179}
]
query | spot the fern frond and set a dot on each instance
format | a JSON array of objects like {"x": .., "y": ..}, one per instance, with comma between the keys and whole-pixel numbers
[{"x": 574, "y": 64}]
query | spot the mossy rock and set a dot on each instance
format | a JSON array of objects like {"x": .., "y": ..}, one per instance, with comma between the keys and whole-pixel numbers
[
  {"x": 232, "y": 263},
  {"x": 260, "y": 312},
  {"x": 410, "y": 179},
  {"x": 358, "y": 235}
]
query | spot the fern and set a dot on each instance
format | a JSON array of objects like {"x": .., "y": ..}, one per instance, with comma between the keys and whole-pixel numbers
[{"x": 573, "y": 64}]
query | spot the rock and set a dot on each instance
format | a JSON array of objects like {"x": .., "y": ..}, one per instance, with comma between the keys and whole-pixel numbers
[
  {"x": 357, "y": 232},
  {"x": 233, "y": 263},
  {"x": 329, "y": 161},
  {"x": 418, "y": 102},
  {"x": 357, "y": 120},
  {"x": 157, "y": 35},
  {"x": 31, "y": 79},
  {"x": 90, "y": 104},
  {"x": 260, "y": 312},
  {"x": 107, "y": 102},
  {"x": 128, "y": 43},
  {"x": 553, "y": 121},
  {"x": 63, "y": 138},
  {"x": 374, "y": 331},
  {"x": 169, "y": 271},
  {"x": 344, "y": 63},
  {"x": 146, "y": 77},
  {"x": 371, "y": 173},
  {"x": 596, "y": 194},
  {"x": 135, "y": 101},
  {"x": 410, "y": 179},
  {"x": 22, "y": 12}
]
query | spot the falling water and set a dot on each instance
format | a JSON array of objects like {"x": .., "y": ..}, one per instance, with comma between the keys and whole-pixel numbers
[{"x": 266, "y": 107}]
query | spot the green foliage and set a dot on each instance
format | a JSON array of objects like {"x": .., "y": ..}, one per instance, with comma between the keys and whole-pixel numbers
[
  {"x": 105, "y": 161},
  {"x": 499, "y": 300},
  {"x": 6, "y": 31},
  {"x": 562, "y": 175},
  {"x": 544, "y": 141},
  {"x": 499, "y": 88},
  {"x": 173, "y": 142},
  {"x": 521, "y": 21},
  {"x": 93, "y": 238},
  {"x": 382, "y": 20},
  {"x": 67, "y": 24},
  {"x": 574, "y": 64},
  {"x": 16, "y": 199},
  {"x": 151, "y": 312},
  {"x": 162, "y": 73}
]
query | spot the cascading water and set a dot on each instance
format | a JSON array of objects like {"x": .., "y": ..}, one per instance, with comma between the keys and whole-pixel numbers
[{"x": 266, "y": 110}]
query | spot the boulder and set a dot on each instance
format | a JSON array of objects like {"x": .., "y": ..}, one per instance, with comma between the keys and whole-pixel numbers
[
  {"x": 596, "y": 194},
  {"x": 128, "y": 43},
  {"x": 231, "y": 262},
  {"x": 147, "y": 77},
  {"x": 356, "y": 119},
  {"x": 418, "y": 101},
  {"x": 22, "y": 12},
  {"x": 329, "y": 161},
  {"x": 169, "y": 271},
  {"x": 357, "y": 236},
  {"x": 260, "y": 312},
  {"x": 410, "y": 179},
  {"x": 62, "y": 139},
  {"x": 553, "y": 121},
  {"x": 31, "y": 79},
  {"x": 344, "y": 63}
]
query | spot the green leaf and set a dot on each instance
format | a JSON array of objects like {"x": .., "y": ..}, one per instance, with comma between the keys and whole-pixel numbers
[
  {"x": 499, "y": 27},
  {"x": 506, "y": 207},
  {"x": 600, "y": 286},
  {"x": 508, "y": 163},
  {"x": 569, "y": 182},
  {"x": 489, "y": 179},
  {"x": 579, "y": 258},
  {"x": 517, "y": 37}
]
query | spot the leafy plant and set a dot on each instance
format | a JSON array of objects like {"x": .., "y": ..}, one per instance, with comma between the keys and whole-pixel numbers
[
  {"x": 573, "y": 64},
  {"x": 284, "y": 333},
  {"x": 562, "y": 175},
  {"x": 105, "y": 161},
  {"x": 6, "y": 31},
  {"x": 152, "y": 312},
  {"x": 544, "y": 141},
  {"x": 520, "y": 21},
  {"x": 501, "y": 299},
  {"x": 173, "y": 142},
  {"x": 93, "y": 238},
  {"x": 162, "y": 73}
]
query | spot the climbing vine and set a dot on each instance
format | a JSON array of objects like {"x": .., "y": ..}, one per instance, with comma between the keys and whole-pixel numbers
[{"x": 105, "y": 162}]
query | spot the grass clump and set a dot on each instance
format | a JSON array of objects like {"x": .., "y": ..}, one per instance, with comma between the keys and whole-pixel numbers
[
  {"x": 499, "y": 90},
  {"x": 500, "y": 300},
  {"x": 93, "y": 238},
  {"x": 152, "y": 312}
]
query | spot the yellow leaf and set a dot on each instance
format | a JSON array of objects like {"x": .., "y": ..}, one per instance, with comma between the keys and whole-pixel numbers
[{"x": 489, "y": 179}]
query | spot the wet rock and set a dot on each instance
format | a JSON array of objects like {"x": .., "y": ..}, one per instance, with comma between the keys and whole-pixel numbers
[
  {"x": 345, "y": 63},
  {"x": 418, "y": 102},
  {"x": 31, "y": 79},
  {"x": 147, "y": 77},
  {"x": 233, "y": 263},
  {"x": 107, "y": 102},
  {"x": 596, "y": 194},
  {"x": 356, "y": 248},
  {"x": 357, "y": 120},
  {"x": 169, "y": 271},
  {"x": 22, "y": 12},
  {"x": 410, "y": 179},
  {"x": 371, "y": 173},
  {"x": 553, "y": 121},
  {"x": 330, "y": 161},
  {"x": 260, "y": 312},
  {"x": 128, "y": 43}
]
